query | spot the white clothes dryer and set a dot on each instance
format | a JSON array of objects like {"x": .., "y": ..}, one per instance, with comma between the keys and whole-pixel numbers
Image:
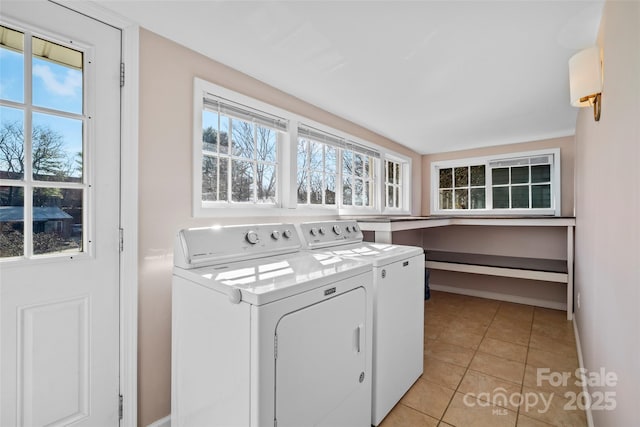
[
  {"x": 266, "y": 335},
  {"x": 398, "y": 305}
]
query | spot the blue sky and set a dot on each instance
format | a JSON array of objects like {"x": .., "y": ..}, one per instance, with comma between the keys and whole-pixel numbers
[{"x": 54, "y": 86}]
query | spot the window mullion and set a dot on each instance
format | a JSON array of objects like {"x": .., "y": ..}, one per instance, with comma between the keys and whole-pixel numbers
[
  {"x": 324, "y": 172},
  {"x": 255, "y": 162},
  {"x": 308, "y": 171},
  {"x": 28, "y": 148},
  {"x": 230, "y": 161}
]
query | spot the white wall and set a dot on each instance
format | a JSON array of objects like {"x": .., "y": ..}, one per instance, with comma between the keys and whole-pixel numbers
[{"x": 607, "y": 261}]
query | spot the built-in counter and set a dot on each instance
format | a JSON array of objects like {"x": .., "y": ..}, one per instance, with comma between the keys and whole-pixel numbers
[{"x": 384, "y": 227}]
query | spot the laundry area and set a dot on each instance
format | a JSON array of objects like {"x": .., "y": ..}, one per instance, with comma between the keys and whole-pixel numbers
[{"x": 319, "y": 213}]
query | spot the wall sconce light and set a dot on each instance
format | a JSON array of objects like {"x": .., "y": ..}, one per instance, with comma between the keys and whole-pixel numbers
[{"x": 585, "y": 80}]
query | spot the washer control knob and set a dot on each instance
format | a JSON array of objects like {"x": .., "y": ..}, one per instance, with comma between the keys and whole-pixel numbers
[
  {"x": 275, "y": 234},
  {"x": 287, "y": 233},
  {"x": 313, "y": 231},
  {"x": 252, "y": 237},
  {"x": 355, "y": 228},
  {"x": 322, "y": 230},
  {"x": 337, "y": 229},
  {"x": 348, "y": 228}
]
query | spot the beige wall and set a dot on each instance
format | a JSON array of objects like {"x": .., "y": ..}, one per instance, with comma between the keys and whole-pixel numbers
[
  {"x": 541, "y": 242},
  {"x": 607, "y": 266},
  {"x": 166, "y": 121},
  {"x": 567, "y": 149}
]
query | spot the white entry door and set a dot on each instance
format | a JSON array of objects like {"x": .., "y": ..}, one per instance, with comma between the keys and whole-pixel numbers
[{"x": 59, "y": 217}]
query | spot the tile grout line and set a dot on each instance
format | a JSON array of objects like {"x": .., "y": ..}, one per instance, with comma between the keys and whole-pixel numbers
[{"x": 475, "y": 351}]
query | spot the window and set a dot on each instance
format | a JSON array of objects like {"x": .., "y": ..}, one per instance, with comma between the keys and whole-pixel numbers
[
  {"x": 393, "y": 183},
  {"x": 521, "y": 183},
  {"x": 325, "y": 159},
  {"x": 251, "y": 156},
  {"x": 239, "y": 153},
  {"x": 316, "y": 172},
  {"x": 462, "y": 187},
  {"x": 43, "y": 128}
]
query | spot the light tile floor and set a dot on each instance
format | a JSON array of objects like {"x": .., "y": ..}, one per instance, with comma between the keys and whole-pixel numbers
[{"x": 490, "y": 363}]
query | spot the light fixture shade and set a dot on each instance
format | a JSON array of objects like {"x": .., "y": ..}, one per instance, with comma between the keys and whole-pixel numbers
[{"x": 585, "y": 75}]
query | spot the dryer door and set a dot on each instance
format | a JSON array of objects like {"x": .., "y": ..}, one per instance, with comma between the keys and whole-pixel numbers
[{"x": 320, "y": 364}]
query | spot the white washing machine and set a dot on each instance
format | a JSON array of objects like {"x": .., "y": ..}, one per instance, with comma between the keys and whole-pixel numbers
[
  {"x": 398, "y": 305},
  {"x": 266, "y": 335}
]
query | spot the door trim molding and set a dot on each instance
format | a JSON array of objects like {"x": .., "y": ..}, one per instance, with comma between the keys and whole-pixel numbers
[{"x": 128, "y": 203}]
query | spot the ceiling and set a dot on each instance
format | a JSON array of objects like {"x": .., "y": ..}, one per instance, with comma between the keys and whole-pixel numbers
[{"x": 432, "y": 75}]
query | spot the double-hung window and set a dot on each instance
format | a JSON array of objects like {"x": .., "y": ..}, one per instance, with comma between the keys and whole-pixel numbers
[
  {"x": 317, "y": 169},
  {"x": 394, "y": 184},
  {"x": 324, "y": 160},
  {"x": 520, "y": 183},
  {"x": 239, "y": 154}
]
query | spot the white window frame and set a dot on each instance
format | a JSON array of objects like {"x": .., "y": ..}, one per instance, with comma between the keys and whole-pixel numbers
[
  {"x": 556, "y": 184},
  {"x": 28, "y": 183},
  {"x": 286, "y": 168},
  {"x": 202, "y": 208},
  {"x": 404, "y": 186}
]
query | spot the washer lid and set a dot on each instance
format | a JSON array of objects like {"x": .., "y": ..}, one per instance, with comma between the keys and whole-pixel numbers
[
  {"x": 264, "y": 280},
  {"x": 378, "y": 254}
]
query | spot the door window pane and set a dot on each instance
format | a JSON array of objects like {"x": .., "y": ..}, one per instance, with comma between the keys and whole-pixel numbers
[
  {"x": 57, "y": 148},
  {"x": 11, "y": 221},
  {"x": 57, "y": 220},
  {"x": 520, "y": 197},
  {"x": 11, "y": 143},
  {"x": 57, "y": 76},
  {"x": 11, "y": 64}
]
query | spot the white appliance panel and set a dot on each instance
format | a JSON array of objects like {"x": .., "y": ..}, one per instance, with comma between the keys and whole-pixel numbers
[
  {"x": 398, "y": 322},
  {"x": 211, "y": 352},
  {"x": 321, "y": 363}
]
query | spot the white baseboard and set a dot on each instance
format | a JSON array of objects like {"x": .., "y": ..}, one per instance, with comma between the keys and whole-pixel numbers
[
  {"x": 500, "y": 296},
  {"x": 162, "y": 422},
  {"x": 585, "y": 388}
]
